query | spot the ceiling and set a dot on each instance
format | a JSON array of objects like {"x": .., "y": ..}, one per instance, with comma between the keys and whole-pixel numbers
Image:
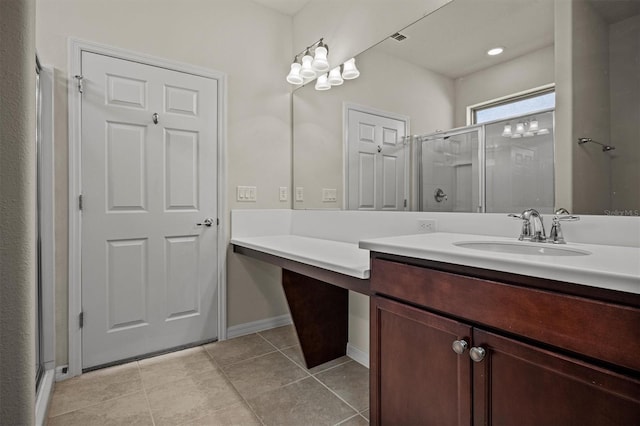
[
  {"x": 453, "y": 41},
  {"x": 613, "y": 11},
  {"x": 288, "y": 7}
]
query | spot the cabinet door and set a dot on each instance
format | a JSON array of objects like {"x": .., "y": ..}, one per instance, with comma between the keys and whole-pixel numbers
[
  {"x": 416, "y": 377},
  {"x": 520, "y": 384}
]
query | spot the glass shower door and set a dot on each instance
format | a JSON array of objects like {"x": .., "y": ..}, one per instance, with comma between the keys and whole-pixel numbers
[
  {"x": 519, "y": 164},
  {"x": 449, "y": 171}
]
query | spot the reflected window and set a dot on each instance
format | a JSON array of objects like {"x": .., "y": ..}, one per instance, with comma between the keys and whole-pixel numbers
[{"x": 514, "y": 106}]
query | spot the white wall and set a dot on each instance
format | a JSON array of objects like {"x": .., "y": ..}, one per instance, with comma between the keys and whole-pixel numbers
[
  {"x": 563, "y": 148},
  {"x": 624, "y": 72},
  {"x": 422, "y": 95},
  {"x": 248, "y": 42},
  {"x": 17, "y": 212},
  {"x": 526, "y": 72},
  {"x": 350, "y": 27},
  {"x": 591, "y": 110}
]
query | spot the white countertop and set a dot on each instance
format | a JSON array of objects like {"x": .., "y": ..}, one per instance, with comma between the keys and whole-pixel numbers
[
  {"x": 344, "y": 258},
  {"x": 609, "y": 267}
]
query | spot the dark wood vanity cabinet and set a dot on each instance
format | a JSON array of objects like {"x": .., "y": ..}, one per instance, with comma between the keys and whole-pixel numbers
[{"x": 549, "y": 358}]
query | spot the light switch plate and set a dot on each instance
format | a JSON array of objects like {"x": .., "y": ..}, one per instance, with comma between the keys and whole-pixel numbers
[
  {"x": 246, "y": 193},
  {"x": 329, "y": 195},
  {"x": 283, "y": 193},
  {"x": 299, "y": 193}
]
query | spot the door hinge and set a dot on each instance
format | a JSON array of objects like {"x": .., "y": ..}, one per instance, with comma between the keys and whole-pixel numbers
[
  {"x": 80, "y": 202},
  {"x": 405, "y": 203},
  {"x": 80, "y": 80},
  {"x": 81, "y": 319},
  {"x": 217, "y": 221}
]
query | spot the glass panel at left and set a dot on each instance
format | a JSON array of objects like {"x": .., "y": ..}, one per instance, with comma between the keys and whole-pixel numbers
[{"x": 39, "y": 366}]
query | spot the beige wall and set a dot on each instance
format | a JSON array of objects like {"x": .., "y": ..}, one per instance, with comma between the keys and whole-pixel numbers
[
  {"x": 248, "y": 42},
  {"x": 591, "y": 110},
  {"x": 526, "y": 72},
  {"x": 350, "y": 27},
  {"x": 17, "y": 211},
  {"x": 563, "y": 148},
  {"x": 387, "y": 84},
  {"x": 624, "y": 66}
]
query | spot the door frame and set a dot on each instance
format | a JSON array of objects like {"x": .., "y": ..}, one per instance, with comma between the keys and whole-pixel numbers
[
  {"x": 75, "y": 49},
  {"x": 346, "y": 108}
]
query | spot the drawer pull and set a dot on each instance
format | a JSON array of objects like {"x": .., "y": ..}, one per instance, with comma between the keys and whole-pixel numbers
[
  {"x": 459, "y": 346},
  {"x": 477, "y": 353}
]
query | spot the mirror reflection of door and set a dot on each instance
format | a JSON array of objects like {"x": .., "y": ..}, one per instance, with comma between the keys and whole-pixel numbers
[{"x": 376, "y": 160}]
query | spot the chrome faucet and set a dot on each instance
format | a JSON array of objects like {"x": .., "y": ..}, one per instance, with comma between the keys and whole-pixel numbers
[
  {"x": 532, "y": 226},
  {"x": 555, "y": 235}
]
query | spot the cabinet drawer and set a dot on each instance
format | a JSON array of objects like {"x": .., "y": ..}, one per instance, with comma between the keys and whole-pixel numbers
[{"x": 596, "y": 329}]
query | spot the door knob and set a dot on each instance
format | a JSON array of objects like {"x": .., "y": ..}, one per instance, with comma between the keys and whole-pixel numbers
[
  {"x": 477, "y": 354},
  {"x": 459, "y": 346},
  {"x": 207, "y": 222}
]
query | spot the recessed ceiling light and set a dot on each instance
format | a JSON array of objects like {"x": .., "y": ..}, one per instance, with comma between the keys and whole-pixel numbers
[{"x": 495, "y": 51}]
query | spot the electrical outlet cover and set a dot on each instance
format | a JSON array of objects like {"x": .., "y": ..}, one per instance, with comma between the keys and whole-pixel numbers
[{"x": 426, "y": 226}]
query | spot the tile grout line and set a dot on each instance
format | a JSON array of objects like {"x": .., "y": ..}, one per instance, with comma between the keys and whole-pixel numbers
[
  {"x": 93, "y": 405},
  {"x": 219, "y": 367},
  {"x": 146, "y": 396},
  {"x": 337, "y": 396},
  {"x": 347, "y": 419}
]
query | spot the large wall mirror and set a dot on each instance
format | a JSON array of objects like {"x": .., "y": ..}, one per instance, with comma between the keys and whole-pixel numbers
[{"x": 418, "y": 131}]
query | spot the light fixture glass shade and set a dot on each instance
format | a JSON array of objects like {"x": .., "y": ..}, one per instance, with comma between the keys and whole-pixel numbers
[
  {"x": 350, "y": 71},
  {"x": 335, "y": 79},
  {"x": 543, "y": 131},
  {"x": 520, "y": 128},
  {"x": 306, "y": 70},
  {"x": 294, "y": 76},
  {"x": 507, "y": 130},
  {"x": 320, "y": 62},
  {"x": 322, "y": 83},
  {"x": 528, "y": 134},
  {"x": 533, "y": 125}
]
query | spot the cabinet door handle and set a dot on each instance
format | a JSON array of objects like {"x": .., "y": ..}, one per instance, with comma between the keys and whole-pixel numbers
[
  {"x": 459, "y": 346},
  {"x": 477, "y": 354}
]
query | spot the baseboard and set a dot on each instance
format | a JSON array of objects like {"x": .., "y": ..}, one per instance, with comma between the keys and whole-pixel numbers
[
  {"x": 255, "y": 326},
  {"x": 358, "y": 355},
  {"x": 43, "y": 396},
  {"x": 62, "y": 373}
]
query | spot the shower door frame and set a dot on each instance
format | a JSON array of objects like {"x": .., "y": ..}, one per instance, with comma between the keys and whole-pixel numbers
[{"x": 481, "y": 207}]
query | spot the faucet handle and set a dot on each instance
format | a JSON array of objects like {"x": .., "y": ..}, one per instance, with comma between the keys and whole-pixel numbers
[
  {"x": 555, "y": 235},
  {"x": 568, "y": 218},
  {"x": 525, "y": 234}
]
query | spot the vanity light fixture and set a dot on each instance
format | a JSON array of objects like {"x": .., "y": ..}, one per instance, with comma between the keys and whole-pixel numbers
[
  {"x": 307, "y": 70},
  {"x": 495, "y": 51},
  {"x": 294, "y": 76},
  {"x": 312, "y": 63},
  {"x": 320, "y": 62},
  {"x": 335, "y": 77},
  {"x": 322, "y": 83},
  {"x": 526, "y": 128},
  {"x": 349, "y": 70}
]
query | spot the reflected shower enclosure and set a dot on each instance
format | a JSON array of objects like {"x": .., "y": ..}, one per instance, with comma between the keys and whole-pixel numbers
[{"x": 501, "y": 166}]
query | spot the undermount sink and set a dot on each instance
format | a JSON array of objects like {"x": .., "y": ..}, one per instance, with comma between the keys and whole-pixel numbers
[{"x": 537, "y": 249}]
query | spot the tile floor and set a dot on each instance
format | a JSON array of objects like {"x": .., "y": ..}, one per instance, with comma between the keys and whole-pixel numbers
[{"x": 258, "y": 379}]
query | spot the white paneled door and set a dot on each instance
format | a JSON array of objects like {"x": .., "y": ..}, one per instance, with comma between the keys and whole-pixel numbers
[
  {"x": 376, "y": 163},
  {"x": 149, "y": 183}
]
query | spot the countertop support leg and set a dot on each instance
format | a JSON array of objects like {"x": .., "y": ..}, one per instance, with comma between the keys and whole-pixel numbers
[{"x": 320, "y": 315}]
